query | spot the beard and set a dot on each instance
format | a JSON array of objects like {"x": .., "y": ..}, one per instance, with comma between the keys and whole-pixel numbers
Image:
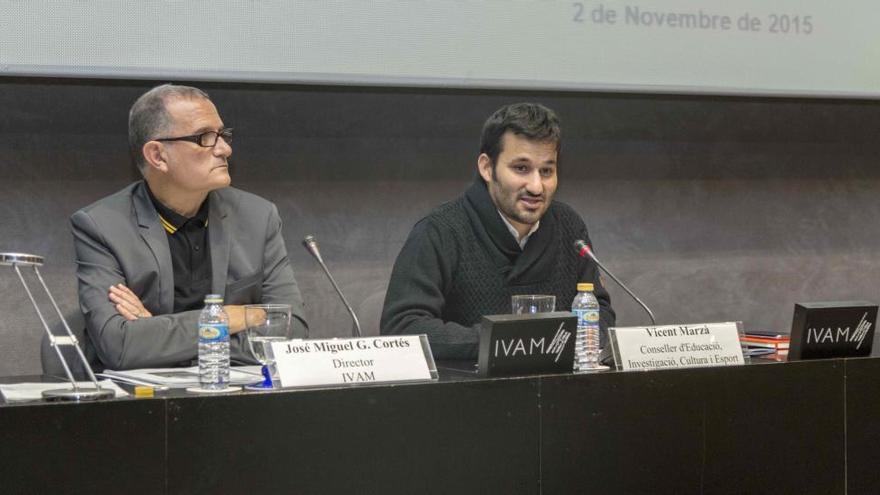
[{"x": 508, "y": 202}]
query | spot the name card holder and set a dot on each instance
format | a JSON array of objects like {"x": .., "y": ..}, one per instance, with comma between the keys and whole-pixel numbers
[
  {"x": 677, "y": 346},
  {"x": 354, "y": 361},
  {"x": 527, "y": 344},
  {"x": 832, "y": 329}
]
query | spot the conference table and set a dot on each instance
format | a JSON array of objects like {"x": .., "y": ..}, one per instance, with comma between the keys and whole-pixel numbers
[{"x": 806, "y": 427}]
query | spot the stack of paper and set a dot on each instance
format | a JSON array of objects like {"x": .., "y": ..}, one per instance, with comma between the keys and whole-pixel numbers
[
  {"x": 769, "y": 345},
  {"x": 768, "y": 340},
  {"x": 181, "y": 377},
  {"x": 18, "y": 392}
]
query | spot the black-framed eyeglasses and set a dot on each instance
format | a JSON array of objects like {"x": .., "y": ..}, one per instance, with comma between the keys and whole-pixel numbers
[{"x": 206, "y": 139}]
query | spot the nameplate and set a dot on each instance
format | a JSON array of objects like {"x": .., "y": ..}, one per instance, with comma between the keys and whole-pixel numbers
[
  {"x": 527, "y": 344},
  {"x": 677, "y": 346},
  {"x": 309, "y": 363},
  {"x": 832, "y": 329}
]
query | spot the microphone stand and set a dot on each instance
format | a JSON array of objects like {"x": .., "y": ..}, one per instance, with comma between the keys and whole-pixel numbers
[
  {"x": 584, "y": 250},
  {"x": 312, "y": 245}
]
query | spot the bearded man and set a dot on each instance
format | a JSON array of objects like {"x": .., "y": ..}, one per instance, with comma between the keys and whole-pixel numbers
[{"x": 504, "y": 236}]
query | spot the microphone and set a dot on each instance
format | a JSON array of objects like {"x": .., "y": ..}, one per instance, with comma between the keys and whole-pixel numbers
[
  {"x": 312, "y": 245},
  {"x": 584, "y": 251}
]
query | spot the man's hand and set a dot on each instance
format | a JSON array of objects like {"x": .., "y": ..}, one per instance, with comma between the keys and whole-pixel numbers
[
  {"x": 130, "y": 307},
  {"x": 127, "y": 303},
  {"x": 236, "y": 318},
  {"x": 237, "y": 321}
]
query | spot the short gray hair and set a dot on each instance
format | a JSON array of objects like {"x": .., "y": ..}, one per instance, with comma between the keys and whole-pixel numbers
[{"x": 148, "y": 117}]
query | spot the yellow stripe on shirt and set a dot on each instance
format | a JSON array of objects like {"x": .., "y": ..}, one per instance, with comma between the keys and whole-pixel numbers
[{"x": 171, "y": 229}]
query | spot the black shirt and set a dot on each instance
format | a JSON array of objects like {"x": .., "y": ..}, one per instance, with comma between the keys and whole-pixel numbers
[{"x": 190, "y": 254}]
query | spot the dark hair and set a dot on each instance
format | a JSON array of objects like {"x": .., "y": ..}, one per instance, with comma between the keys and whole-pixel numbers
[
  {"x": 149, "y": 117},
  {"x": 533, "y": 121}
]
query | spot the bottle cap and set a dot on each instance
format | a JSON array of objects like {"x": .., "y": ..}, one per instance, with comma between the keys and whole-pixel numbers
[
  {"x": 214, "y": 299},
  {"x": 585, "y": 287}
]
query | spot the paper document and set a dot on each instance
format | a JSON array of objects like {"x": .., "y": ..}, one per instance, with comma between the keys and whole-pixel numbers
[
  {"x": 182, "y": 377},
  {"x": 758, "y": 351},
  {"x": 19, "y": 392}
]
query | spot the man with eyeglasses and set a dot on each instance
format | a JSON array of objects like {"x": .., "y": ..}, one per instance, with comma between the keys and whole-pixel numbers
[{"x": 147, "y": 255}]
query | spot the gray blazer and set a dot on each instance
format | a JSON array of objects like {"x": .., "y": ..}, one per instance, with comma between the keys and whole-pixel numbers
[{"x": 119, "y": 240}]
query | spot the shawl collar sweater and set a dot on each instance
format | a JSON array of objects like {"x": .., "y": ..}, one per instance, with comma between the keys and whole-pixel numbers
[{"x": 461, "y": 262}]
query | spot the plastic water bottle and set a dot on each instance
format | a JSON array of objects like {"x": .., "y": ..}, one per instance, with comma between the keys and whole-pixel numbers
[
  {"x": 214, "y": 344},
  {"x": 586, "y": 345}
]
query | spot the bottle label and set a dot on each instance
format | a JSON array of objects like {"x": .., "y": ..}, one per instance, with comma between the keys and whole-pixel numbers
[
  {"x": 213, "y": 333},
  {"x": 586, "y": 316}
]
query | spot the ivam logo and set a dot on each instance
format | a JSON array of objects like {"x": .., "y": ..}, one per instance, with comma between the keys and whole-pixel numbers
[
  {"x": 836, "y": 336},
  {"x": 532, "y": 346}
]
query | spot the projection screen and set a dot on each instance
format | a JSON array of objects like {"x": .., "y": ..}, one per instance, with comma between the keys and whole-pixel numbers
[{"x": 751, "y": 47}]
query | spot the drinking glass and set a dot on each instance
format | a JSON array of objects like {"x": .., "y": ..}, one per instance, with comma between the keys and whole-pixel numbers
[
  {"x": 532, "y": 303},
  {"x": 266, "y": 323}
]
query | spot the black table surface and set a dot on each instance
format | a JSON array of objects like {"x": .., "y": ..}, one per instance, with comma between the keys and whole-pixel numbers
[
  {"x": 448, "y": 371},
  {"x": 801, "y": 427}
]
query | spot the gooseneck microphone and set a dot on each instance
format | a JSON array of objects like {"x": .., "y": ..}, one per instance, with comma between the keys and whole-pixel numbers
[
  {"x": 584, "y": 251},
  {"x": 312, "y": 245}
]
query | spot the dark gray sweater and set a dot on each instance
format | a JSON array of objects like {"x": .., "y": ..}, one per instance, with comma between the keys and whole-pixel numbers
[{"x": 461, "y": 262}]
